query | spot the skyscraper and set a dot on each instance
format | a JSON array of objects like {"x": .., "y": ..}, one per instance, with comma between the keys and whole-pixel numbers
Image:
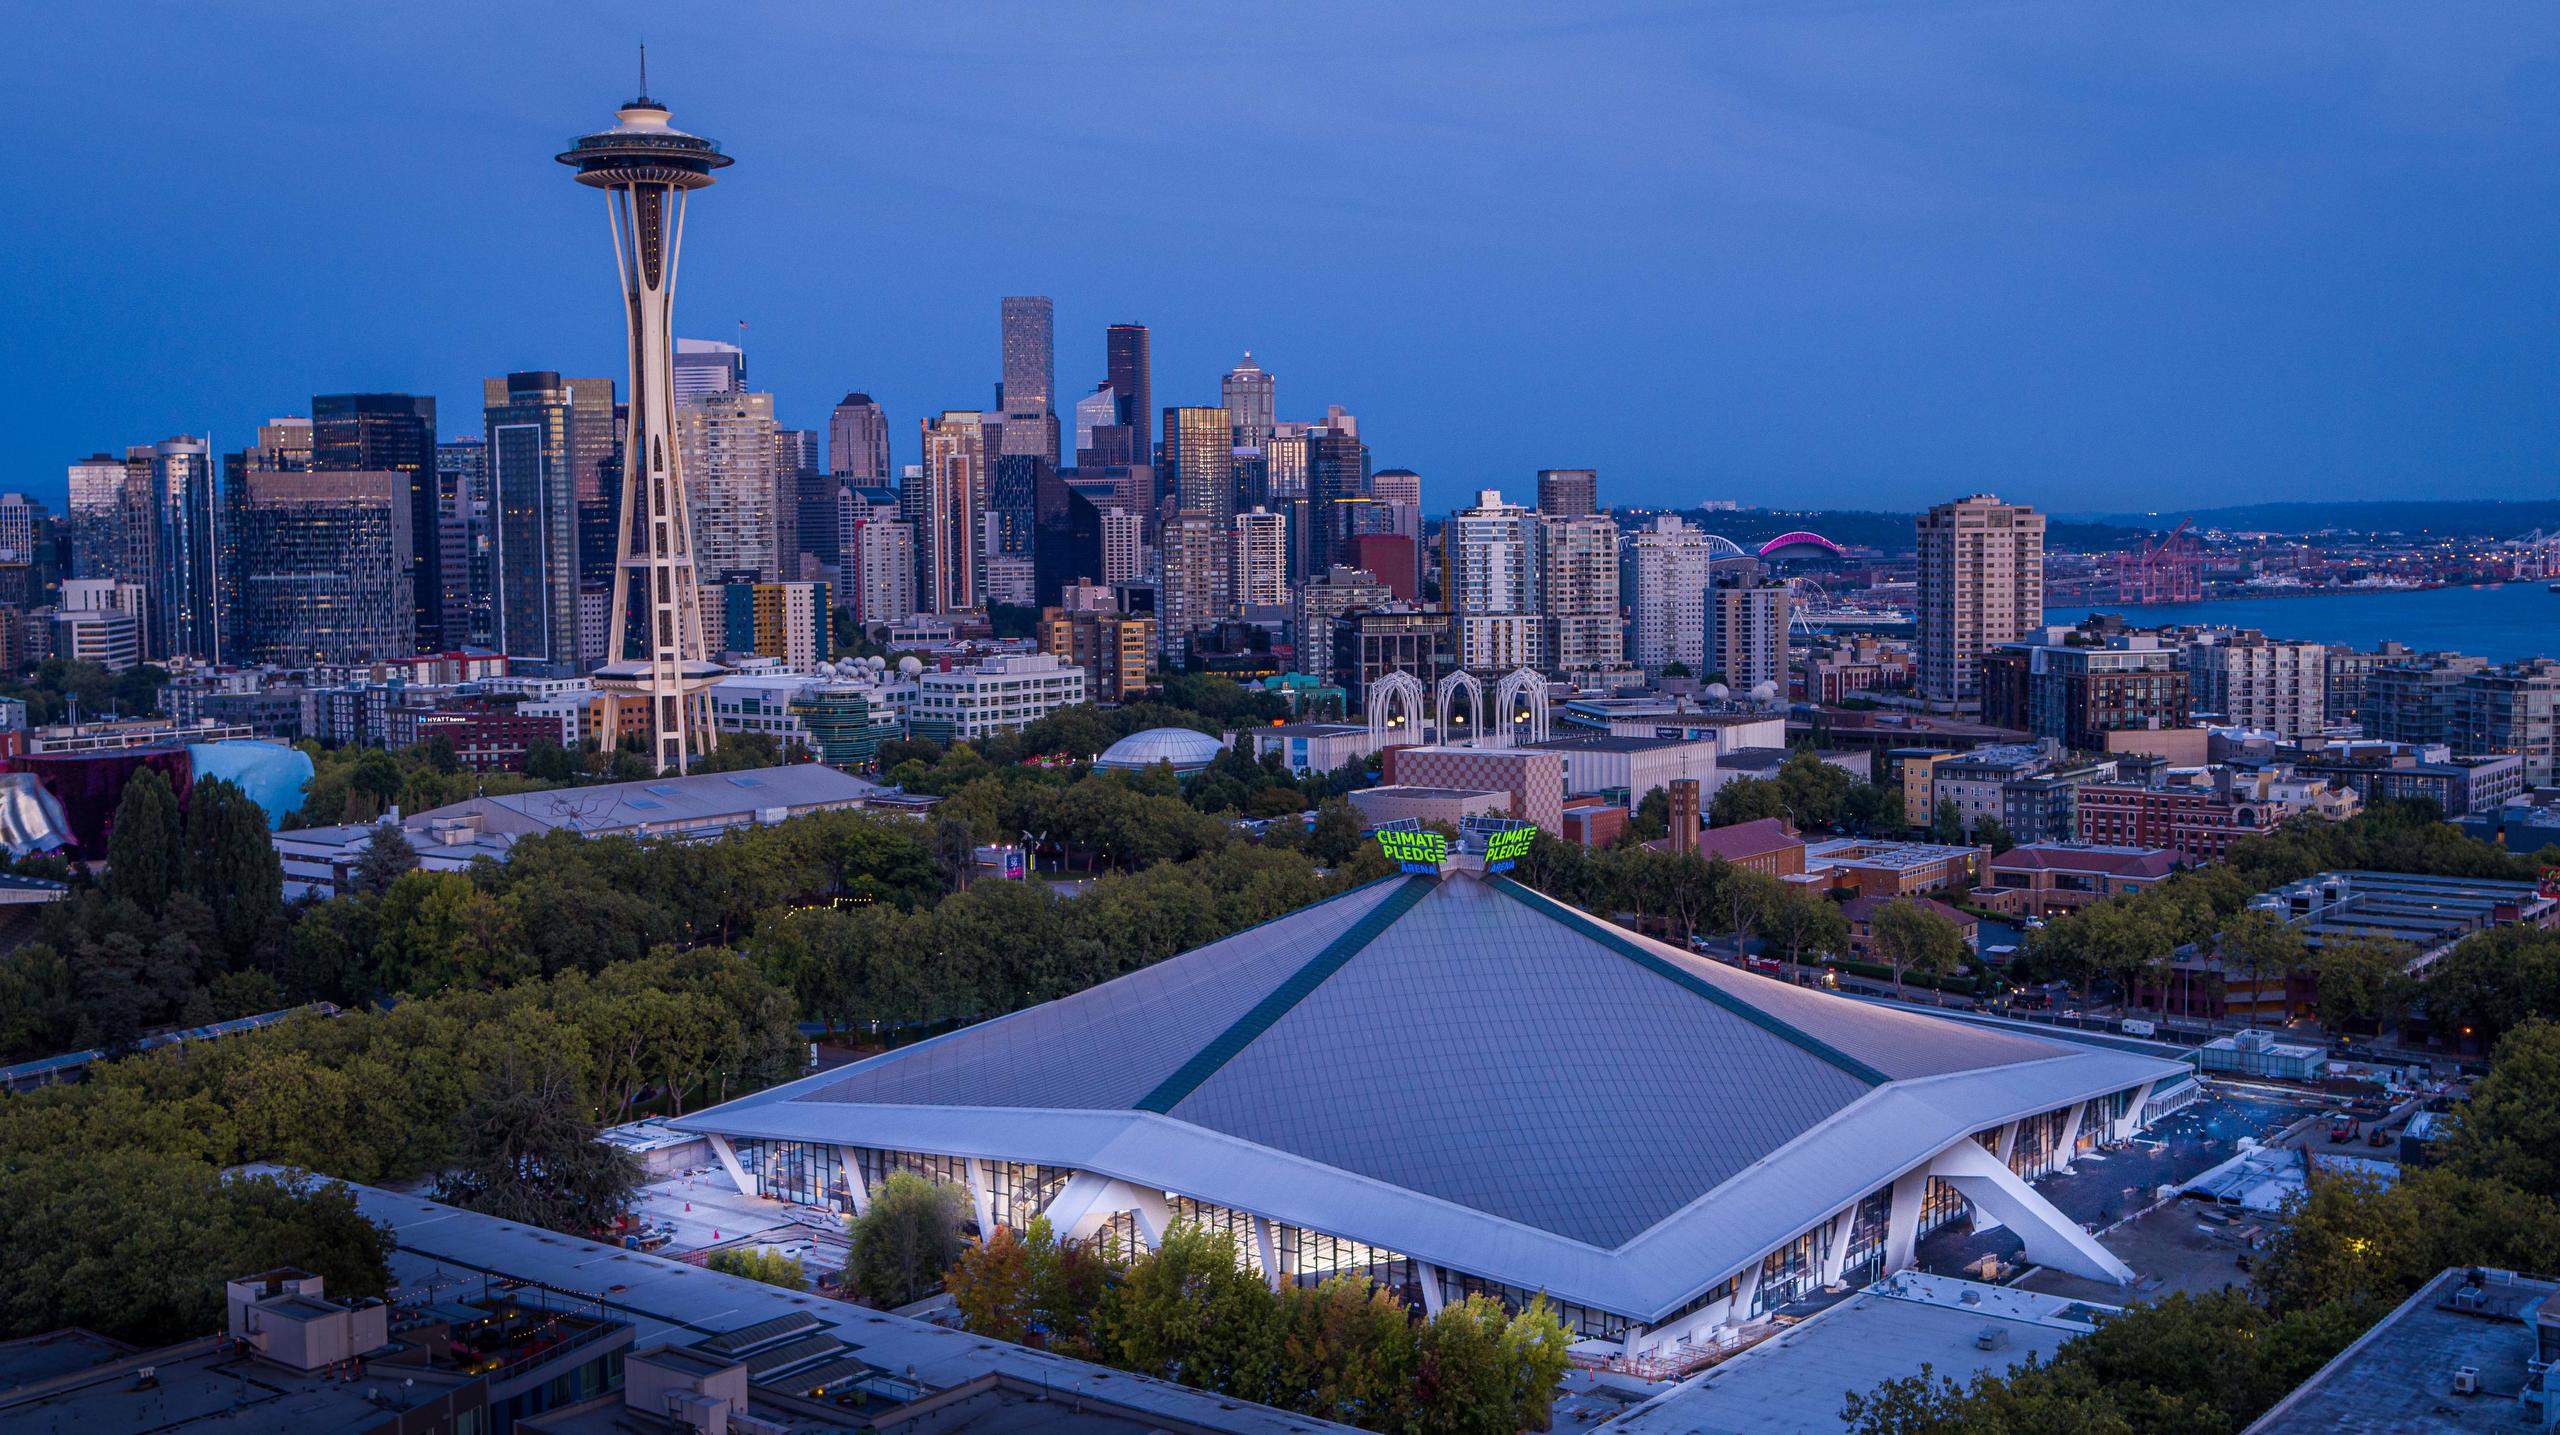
[
  {"x": 1200, "y": 463},
  {"x": 1067, "y": 534},
  {"x": 548, "y": 439},
  {"x": 648, "y": 167},
  {"x": 462, "y": 520},
  {"x": 186, "y": 548},
  {"x": 1981, "y": 584},
  {"x": 1127, "y": 365},
  {"x": 1492, "y": 584},
  {"x": 943, "y": 506},
  {"x": 95, "y": 516},
  {"x": 1672, "y": 563},
  {"x": 1568, "y": 492},
  {"x": 393, "y": 433},
  {"x": 1248, "y": 395},
  {"x": 1337, "y": 469},
  {"x": 858, "y": 441},
  {"x": 1579, "y": 588},
  {"x": 727, "y": 442},
  {"x": 1030, "y": 378},
  {"x": 325, "y": 566},
  {"x": 1097, "y": 410},
  {"x": 1400, "y": 489},
  {"x": 807, "y": 496},
  {"x": 707, "y": 366}
]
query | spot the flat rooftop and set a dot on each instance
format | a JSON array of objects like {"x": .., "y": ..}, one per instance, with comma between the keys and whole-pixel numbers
[
  {"x": 1891, "y": 856},
  {"x": 1613, "y": 742},
  {"x": 2397, "y": 1379},
  {"x": 669, "y": 1302},
  {"x": 1795, "y": 1383}
]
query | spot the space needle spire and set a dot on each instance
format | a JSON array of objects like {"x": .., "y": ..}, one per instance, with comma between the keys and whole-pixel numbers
[{"x": 657, "y": 655}]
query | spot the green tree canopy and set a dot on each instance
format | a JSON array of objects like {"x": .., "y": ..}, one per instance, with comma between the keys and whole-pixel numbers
[{"x": 906, "y": 1239}]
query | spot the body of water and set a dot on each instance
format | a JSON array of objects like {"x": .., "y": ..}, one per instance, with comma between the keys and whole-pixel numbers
[{"x": 2500, "y": 622}]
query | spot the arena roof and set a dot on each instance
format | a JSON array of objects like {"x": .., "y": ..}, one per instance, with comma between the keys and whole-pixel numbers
[{"x": 1468, "y": 1071}]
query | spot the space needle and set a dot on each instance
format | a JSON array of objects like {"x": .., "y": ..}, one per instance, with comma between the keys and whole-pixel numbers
[{"x": 656, "y": 653}]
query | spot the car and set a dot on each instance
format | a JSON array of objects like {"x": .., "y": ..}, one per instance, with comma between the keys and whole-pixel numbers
[{"x": 2345, "y": 1128}]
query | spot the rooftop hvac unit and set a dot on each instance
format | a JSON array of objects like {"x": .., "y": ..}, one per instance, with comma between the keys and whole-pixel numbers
[
  {"x": 1991, "y": 1338},
  {"x": 2466, "y": 1380}
]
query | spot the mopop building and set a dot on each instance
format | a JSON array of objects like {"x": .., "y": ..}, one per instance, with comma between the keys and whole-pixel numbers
[{"x": 1452, "y": 1083}]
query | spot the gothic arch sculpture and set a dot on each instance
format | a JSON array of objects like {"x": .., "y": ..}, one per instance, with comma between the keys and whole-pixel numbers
[
  {"x": 1452, "y": 727},
  {"x": 1397, "y": 693},
  {"x": 1520, "y": 701}
]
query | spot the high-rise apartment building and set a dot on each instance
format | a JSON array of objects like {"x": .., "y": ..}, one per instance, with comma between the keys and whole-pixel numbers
[
  {"x": 393, "y": 433},
  {"x": 858, "y": 441},
  {"x": 1981, "y": 585},
  {"x": 882, "y": 586},
  {"x": 1492, "y": 582},
  {"x": 1568, "y": 492},
  {"x": 738, "y": 507},
  {"x": 1250, "y": 397},
  {"x": 707, "y": 366},
  {"x": 1115, "y": 649},
  {"x": 1194, "y": 591},
  {"x": 1747, "y": 617},
  {"x": 1067, "y": 546},
  {"x": 1030, "y": 386},
  {"x": 325, "y": 570},
  {"x": 1670, "y": 564},
  {"x": 1260, "y": 564},
  {"x": 1578, "y": 586},
  {"x": 1124, "y": 546},
  {"x": 788, "y": 621},
  {"x": 943, "y": 504},
  {"x": 2250, "y": 681},
  {"x": 1199, "y": 463},
  {"x": 550, "y": 441},
  {"x": 101, "y": 505}
]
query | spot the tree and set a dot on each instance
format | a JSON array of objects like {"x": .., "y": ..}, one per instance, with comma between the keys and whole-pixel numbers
[
  {"x": 906, "y": 1239},
  {"x": 1991, "y": 832},
  {"x": 2510, "y": 1128},
  {"x": 763, "y": 1263},
  {"x": 2362, "y": 980},
  {"x": 1800, "y": 922},
  {"x": 387, "y": 854},
  {"x": 2260, "y": 944},
  {"x": 1190, "y": 1311},
  {"x": 2349, "y": 1240},
  {"x": 550, "y": 762},
  {"x": 231, "y": 864},
  {"x": 1335, "y": 838},
  {"x": 1909, "y": 936},
  {"x": 146, "y": 853},
  {"x": 528, "y": 1149},
  {"x": 1746, "y": 799},
  {"x": 1652, "y": 817},
  {"x": 991, "y": 1285},
  {"x": 1946, "y": 823},
  {"x": 1815, "y": 792},
  {"x": 955, "y": 851},
  {"x": 1348, "y": 1351},
  {"x": 1481, "y": 1369}
]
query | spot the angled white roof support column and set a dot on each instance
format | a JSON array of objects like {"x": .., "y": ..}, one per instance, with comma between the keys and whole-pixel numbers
[
  {"x": 2052, "y": 1238},
  {"x": 1902, "y": 1227},
  {"x": 2068, "y": 1147},
  {"x": 1267, "y": 1251},
  {"x": 1088, "y": 1202},
  {"x": 854, "y": 1185},
  {"x": 981, "y": 1197},
  {"x": 728, "y": 1155},
  {"x": 1431, "y": 1297}
]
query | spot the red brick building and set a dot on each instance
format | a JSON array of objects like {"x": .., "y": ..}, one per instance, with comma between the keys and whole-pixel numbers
[{"x": 486, "y": 737}]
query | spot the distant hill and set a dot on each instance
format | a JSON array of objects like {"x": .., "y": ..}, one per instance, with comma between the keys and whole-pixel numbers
[
  {"x": 1887, "y": 532},
  {"x": 2488, "y": 518}
]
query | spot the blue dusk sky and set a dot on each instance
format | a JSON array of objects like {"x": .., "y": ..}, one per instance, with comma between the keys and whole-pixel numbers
[{"x": 1861, "y": 255}]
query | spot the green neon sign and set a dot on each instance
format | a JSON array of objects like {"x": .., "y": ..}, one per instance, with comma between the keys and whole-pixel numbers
[
  {"x": 1414, "y": 848},
  {"x": 1509, "y": 846}
]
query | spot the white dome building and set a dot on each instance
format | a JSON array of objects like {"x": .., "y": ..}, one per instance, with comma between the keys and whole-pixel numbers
[{"x": 1187, "y": 751}]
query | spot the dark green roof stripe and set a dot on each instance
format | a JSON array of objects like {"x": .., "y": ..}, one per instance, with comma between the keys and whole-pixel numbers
[
  {"x": 1300, "y": 984},
  {"x": 1616, "y": 941}
]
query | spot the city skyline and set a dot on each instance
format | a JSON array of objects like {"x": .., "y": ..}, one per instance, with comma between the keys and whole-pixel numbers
[{"x": 1861, "y": 294}]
